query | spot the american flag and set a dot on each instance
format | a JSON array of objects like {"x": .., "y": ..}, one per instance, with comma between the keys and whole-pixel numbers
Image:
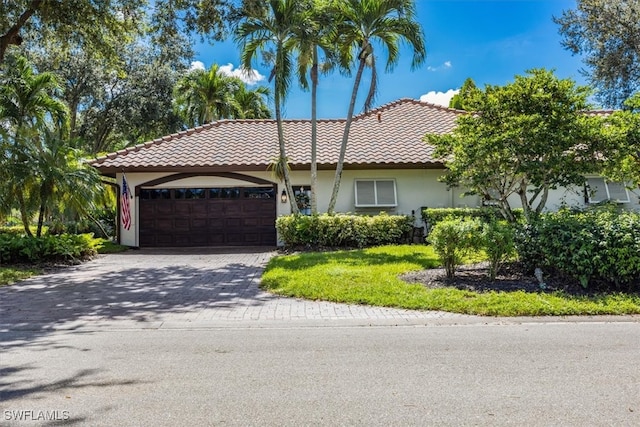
[{"x": 124, "y": 205}]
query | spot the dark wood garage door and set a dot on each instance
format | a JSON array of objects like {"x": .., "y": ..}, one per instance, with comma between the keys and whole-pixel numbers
[{"x": 241, "y": 216}]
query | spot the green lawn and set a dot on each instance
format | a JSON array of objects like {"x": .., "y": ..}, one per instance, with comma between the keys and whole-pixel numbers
[
  {"x": 370, "y": 276},
  {"x": 9, "y": 275}
]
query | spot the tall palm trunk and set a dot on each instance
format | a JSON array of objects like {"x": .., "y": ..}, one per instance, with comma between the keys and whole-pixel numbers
[
  {"x": 314, "y": 132},
  {"x": 283, "y": 154},
  {"x": 345, "y": 135}
]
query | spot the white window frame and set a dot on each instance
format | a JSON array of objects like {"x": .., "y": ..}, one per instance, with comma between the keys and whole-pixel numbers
[
  {"x": 605, "y": 185},
  {"x": 375, "y": 189}
]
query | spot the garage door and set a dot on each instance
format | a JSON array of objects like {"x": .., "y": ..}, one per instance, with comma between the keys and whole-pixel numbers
[{"x": 239, "y": 216}]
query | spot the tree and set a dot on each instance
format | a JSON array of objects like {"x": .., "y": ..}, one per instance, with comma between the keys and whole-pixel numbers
[
  {"x": 316, "y": 43},
  {"x": 29, "y": 102},
  {"x": 251, "y": 103},
  {"x": 361, "y": 24},
  {"x": 607, "y": 32},
  {"x": 203, "y": 96},
  {"x": 116, "y": 103},
  {"x": 277, "y": 32},
  {"x": 75, "y": 21},
  {"x": 62, "y": 175},
  {"x": 524, "y": 139},
  {"x": 463, "y": 99},
  {"x": 622, "y": 130}
]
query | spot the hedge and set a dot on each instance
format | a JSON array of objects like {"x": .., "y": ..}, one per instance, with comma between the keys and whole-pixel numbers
[
  {"x": 344, "y": 230},
  {"x": 486, "y": 214},
  {"x": 593, "y": 245},
  {"x": 16, "y": 248}
]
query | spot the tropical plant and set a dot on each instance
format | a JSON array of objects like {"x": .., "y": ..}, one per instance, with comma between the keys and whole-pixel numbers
[
  {"x": 362, "y": 25},
  {"x": 62, "y": 176},
  {"x": 317, "y": 43},
  {"x": 203, "y": 96},
  {"x": 276, "y": 31},
  {"x": 29, "y": 102},
  {"x": 252, "y": 103}
]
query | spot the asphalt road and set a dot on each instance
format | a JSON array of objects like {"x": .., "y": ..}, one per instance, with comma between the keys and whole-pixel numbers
[{"x": 549, "y": 373}]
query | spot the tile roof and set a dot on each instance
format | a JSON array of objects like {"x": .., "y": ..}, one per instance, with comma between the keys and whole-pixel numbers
[{"x": 389, "y": 136}]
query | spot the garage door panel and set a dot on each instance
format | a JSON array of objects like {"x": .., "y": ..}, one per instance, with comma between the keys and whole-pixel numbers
[
  {"x": 182, "y": 208},
  {"x": 199, "y": 224},
  {"x": 161, "y": 208},
  {"x": 181, "y": 224},
  {"x": 208, "y": 220}
]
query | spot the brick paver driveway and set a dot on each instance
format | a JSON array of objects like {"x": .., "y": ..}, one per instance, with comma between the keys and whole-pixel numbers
[{"x": 164, "y": 288}]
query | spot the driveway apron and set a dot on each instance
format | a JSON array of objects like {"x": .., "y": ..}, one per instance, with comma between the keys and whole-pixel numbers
[{"x": 178, "y": 287}]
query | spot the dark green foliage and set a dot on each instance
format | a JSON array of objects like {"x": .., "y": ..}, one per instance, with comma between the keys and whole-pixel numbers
[
  {"x": 498, "y": 242},
  {"x": 65, "y": 247},
  {"x": 453, "y": 239},
  {"x": 600, "y": 245},
  {"x": 343, "y": 230},
  {"x": 526, "y": 138},
  {"x": 431, "y": 216}
]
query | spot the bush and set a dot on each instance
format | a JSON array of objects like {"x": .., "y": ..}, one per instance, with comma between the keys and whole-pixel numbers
[
  {"x": 498, "y": 242},
  {"x": 486, "y": 214},
  {"x": 15, "y": 248},
  {"x": 592, "y": 245},
  {"x": 343, "y": 230},
  {"x": 453, "y": 239}
]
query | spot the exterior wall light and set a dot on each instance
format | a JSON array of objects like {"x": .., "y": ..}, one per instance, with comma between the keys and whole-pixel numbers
[{"x": 283, "y": 197}]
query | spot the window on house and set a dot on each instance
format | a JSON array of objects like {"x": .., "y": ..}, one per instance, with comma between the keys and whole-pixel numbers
[
  {"x": 599, "y": 190},
  {"x": 303, "y": 198},
  {"x": 376, "y": 193}
]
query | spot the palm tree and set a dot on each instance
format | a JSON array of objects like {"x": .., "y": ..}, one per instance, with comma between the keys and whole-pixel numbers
[
  {"x": 203, "y": 96},
  {"x": 280, "y": 28},
  {"x": 251, "y": 103},
  {"x": 62, "y": 176},
  {"x": 29, "y": 102},
  {"x": 361, "y": 25},
  {"x": 319, "y": 38}
]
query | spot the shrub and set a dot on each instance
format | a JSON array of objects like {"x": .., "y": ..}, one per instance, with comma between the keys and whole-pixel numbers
[
  {"x": 486, "y": 214},
  {"x": 343, "y": 230},
  {"x": 452, "y": 239},
  {"x": 65, "y": 247},
  {"x": 592, "y": 245},
  {"x": 498, "y": 242}
]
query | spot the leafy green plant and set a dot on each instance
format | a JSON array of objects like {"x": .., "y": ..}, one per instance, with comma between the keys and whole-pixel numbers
[
  {"x": 343, "y": 230},
  {"x": 594, "y": 245},
  {"x": 65, "y": 247},
  {"x": 486, "y": 214},
  {"x": 498, "y": 242},
  {"x": 453, "y": 239}
]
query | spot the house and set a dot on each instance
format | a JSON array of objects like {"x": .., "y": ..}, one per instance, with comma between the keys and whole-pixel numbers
[{"x": 209, "y": 186}]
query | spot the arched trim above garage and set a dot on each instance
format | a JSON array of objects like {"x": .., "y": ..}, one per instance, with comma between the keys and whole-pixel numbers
[{"x": 178, "y": 176}]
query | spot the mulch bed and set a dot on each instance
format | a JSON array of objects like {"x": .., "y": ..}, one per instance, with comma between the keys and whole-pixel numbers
[{"x": 511, "y": 277}]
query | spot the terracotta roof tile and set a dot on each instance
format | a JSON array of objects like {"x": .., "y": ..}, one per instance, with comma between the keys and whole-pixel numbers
[{"x": 391, "y": 134}]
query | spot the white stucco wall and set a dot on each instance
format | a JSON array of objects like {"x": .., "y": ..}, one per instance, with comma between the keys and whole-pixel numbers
[{"x": 415, "y": 188}]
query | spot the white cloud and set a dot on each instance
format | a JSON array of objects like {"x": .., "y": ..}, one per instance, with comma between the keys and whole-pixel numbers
[
  {"x": 439, "y": 98},
  {"x": 196, "y": 65},
  {"x": 445, "y": 65},
  {"x": 250, "y": 77}
]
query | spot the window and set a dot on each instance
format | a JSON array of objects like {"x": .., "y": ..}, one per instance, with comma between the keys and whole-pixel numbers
[
  {"x": 376, "y": 193},
  {"x": 303, "y": 198},
  {"x": 599, "y": 190}
]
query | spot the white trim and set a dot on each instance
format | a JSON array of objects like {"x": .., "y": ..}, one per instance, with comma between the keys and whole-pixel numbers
[{"x": 376, "y": 204}]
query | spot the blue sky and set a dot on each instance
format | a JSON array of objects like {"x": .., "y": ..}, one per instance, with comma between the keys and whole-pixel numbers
[{"x": 490, "y": 41}]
